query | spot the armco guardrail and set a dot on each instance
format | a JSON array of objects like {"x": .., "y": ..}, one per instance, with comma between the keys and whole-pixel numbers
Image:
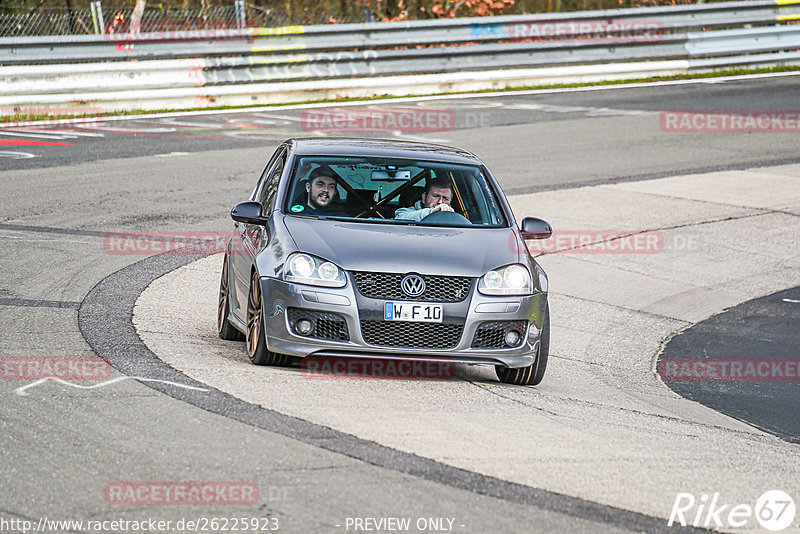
[{"x": 187, "y": 69}]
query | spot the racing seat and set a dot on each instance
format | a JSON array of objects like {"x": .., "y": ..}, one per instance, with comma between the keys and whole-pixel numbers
[
  {"x": 353, "y": 206},
  {"x": 410, "y": 196},
  {"x": 300, "y": 194}
]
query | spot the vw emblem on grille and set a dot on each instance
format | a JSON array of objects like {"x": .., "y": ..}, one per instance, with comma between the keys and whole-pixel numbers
[{"x": 413, "y": 285}]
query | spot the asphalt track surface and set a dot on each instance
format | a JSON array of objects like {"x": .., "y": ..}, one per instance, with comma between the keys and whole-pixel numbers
[
  {"x": 63, "y": 294},
  {"x": 531, "y": 142},
  {"x": 765, "y": 328}
]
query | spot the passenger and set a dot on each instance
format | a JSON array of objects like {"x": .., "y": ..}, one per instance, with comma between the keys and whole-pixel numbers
[
  {"x": 437, "y": 196},
  {"x": 322, "y": 197}
]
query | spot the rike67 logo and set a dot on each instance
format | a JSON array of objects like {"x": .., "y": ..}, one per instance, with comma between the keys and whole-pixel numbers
[{"x": 774, "y": 510}]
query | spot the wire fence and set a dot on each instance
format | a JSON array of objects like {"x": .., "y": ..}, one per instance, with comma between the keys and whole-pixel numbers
[{"x": 97, "y": 17}]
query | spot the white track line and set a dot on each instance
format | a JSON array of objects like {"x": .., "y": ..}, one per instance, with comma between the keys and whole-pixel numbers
[
  {"x": 171, "y": 154},
  {"x": 23, "y": 390},
  {"x": 37, "y": 135},
  {"x": 124, "y": 130},
  {"x": 74, "y": 132},
  {"x": 16, "y": 155},
  {"x": 174, "y": 122}
]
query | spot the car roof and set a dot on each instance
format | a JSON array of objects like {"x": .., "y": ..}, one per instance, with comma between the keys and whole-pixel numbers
[{"x": 326, "y": 146}]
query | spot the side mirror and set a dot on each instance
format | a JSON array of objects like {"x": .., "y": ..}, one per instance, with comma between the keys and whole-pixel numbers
[
  {"x": 534, "y": 228},
  {"x": 248, "y": 212}
]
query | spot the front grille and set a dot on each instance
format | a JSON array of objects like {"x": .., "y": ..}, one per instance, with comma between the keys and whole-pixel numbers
[
  {"x": 412, "y": 335},
  {"x": 327, "y": 325},
  {"x": 491, "y": 334},
  {"x": 437, "y": 288}
]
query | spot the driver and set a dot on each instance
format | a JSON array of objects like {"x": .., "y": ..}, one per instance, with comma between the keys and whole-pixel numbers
[
  {"x": 322, "y": 197},
  {"x": 437, "y": 196}
]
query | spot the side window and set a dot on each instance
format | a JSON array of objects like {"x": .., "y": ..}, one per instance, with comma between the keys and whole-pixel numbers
[
  {"x": 279, "y": 153},
  {"x": 270, "y": 186}
]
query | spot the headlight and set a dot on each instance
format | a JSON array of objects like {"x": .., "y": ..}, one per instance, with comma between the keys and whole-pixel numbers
[
  {"x": 307, "y": 269},
  {"x": 511, "y": 280}
]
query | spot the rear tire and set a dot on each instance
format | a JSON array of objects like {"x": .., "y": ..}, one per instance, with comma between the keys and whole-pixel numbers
[
  {"x": 256, "y": 343},
  {"x": 533, "y": 374},
  {"x": 225, "y": 329}
]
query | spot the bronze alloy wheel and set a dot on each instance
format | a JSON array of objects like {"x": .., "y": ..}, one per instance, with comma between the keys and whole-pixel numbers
[
  {"x": 225, "y": 329},
  {"x": 253, "y": 317},
  {"x": 257, "y": 349}
]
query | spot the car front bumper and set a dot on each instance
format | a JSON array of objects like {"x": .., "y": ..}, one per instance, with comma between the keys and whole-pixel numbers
[{"x": 347, "y": 302}]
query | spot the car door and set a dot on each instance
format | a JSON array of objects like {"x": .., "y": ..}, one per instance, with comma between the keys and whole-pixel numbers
[{"x": 249, "y": 239}]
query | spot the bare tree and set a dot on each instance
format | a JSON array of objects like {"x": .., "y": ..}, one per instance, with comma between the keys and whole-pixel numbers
[{"x": 136, "y": 19}]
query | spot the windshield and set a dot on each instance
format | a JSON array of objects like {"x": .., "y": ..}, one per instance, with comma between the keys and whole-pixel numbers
[{"x": 392, "y": 191}]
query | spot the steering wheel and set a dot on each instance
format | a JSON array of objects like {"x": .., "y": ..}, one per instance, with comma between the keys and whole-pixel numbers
[{"x": 445, "y": 218}]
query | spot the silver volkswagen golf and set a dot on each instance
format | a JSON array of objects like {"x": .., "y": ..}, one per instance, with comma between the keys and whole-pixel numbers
[{"x": 363, "y": 248}]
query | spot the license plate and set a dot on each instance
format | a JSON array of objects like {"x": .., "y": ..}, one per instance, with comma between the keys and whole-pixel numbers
[{"x": 416, "y": 312}]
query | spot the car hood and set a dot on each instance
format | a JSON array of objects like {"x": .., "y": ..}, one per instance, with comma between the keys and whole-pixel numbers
[{"x": 399, "y": 248}]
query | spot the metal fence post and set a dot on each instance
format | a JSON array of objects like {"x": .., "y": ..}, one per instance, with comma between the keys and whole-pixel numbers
[
  {"x": 97, "y": 17},
  {"x": 241, "y": 14},
  {"x": 100, "y": 17},
  {"x": 94, "y": 18}
]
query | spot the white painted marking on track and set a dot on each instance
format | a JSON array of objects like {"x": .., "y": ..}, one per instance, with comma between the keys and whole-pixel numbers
[
  {"x": 29, "y": 240},
  {"x": 74, "y": 133},
  {"x": 792, "y": 301},
  {"x": 276, "y": 122},
  {"x": 590, "y": 111},
  {"x": 276, "y": 116},
  {"x": 611, "y": 112},
  {"x": 269, "y": 122},
  {"x": 465, "y": 105},
  {"x": 171, "y": 154},
  {"x": 175, "y": 122},
  {"x": 16, "y": 155},
  {"x": 410, "y": 137},
  {"x": 239, "y": 134},
  {"x": 23, "y": 390},
  {"x": 125, "y": 129},
  {"x": 36, "y": 135}
]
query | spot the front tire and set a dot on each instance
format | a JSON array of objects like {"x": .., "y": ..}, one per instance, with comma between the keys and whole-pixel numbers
[
  {"x": 225, "y": 329},
  {"x": 256, "y": 343},
  {"x": 533, "y": 374}
]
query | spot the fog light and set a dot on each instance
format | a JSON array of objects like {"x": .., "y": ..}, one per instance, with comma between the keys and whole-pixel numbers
[
  {"x": 303, "y": 327},
  {"x": 512, "y": 338}
]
